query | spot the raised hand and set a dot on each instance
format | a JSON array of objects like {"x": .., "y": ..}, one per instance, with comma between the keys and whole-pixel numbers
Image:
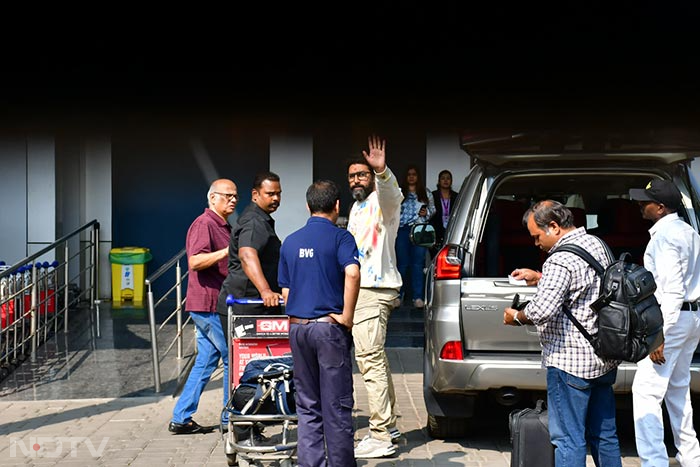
[{"x": 376, "y": 157}]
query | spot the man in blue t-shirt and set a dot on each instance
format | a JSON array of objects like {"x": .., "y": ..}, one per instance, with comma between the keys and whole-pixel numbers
[{"x": 319, "y": 273}]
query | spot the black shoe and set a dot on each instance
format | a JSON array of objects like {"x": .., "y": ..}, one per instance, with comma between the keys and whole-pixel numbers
[{"x": 187, "y": 428}]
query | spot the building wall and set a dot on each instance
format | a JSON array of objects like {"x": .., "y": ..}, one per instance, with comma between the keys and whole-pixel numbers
[
  {"x": 161, "y": 176},
  {"x": 443, "y": 153},
  {"x": 145, "y": 184},
  {"x": 51, "y": 185},
  {"x": 13, "y": 193}
]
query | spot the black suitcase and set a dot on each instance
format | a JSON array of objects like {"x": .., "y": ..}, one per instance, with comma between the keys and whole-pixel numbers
[{"x": 529, "y": 434}]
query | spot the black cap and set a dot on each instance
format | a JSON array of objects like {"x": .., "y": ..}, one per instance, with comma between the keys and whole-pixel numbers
[{"x": 659, "y": 191}]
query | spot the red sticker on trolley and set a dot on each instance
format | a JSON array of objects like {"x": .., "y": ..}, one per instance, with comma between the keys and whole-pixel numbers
[{"x": 272, "y": 326}]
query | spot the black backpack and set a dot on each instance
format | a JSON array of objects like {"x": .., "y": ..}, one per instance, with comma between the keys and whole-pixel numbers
[
  {"x": 630, "y": 322},
  {"x": 266, "y": 387}
]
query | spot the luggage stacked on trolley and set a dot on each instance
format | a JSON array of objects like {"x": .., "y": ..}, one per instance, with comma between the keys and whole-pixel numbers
[{"x": 262, "y": 416}]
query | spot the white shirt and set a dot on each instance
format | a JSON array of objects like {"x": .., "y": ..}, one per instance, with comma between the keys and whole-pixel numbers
[
  {"x": 374, "y": 223},
  {"x": 672, "y": 256}
]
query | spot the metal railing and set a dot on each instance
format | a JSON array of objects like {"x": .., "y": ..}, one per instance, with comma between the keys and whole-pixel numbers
[
  {"x": 156, "y": 329},
  {"x": 35, "y": 297}
]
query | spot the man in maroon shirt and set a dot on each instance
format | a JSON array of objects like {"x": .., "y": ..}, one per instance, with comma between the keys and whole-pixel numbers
[{"x": 207, "y": 254}]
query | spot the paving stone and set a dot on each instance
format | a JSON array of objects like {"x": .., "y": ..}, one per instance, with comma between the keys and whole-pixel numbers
[{"x": 137, "y": 425}]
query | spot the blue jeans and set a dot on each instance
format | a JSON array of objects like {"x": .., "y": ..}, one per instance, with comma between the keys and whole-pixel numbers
[
  {"x": 410, "y": 257},
  {"x": 211, "y": 346},
  {"x": 582, "y": 411}
]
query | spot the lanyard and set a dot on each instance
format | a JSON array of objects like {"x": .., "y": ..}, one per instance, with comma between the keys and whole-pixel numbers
[
  {"x": 445, "y": 210},
  {"x": 445, "y": 206}
]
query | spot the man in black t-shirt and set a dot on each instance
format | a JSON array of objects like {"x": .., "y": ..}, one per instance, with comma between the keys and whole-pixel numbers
[
  {"x": 254, "y": 252},
  {"x": 253, "y": 261}
]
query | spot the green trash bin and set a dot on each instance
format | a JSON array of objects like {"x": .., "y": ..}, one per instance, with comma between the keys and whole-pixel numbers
[{"x": 129, "y": 273}]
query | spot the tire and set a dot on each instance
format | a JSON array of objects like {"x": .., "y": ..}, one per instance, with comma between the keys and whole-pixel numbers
[{"x": 445, "y": 427}]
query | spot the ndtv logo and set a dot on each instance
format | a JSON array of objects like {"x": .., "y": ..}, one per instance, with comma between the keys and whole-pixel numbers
[
  {"x": 272, "y": 325},
  {"x": 52, "y": 446}
]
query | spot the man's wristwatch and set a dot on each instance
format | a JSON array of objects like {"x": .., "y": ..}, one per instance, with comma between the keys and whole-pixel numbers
[{"x": 515, "y": 318}]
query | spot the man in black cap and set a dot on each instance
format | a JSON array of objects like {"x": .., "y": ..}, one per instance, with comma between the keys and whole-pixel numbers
[{"x": 672, "y": 256}]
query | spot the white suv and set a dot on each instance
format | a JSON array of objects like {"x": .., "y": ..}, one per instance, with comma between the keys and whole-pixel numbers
[{"x": 468, "y": 350}]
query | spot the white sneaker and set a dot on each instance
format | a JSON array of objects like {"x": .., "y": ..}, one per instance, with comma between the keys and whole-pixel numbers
[
  {"x": 418, "y": 303},
  {"x": 395, "y": 434},
  {"x": 370, "y": 448}
]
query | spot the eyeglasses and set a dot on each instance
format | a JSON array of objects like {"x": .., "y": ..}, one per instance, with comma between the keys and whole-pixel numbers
[
  {"x": 228, "y": 196},
  {"x": 362, "y": 176}
]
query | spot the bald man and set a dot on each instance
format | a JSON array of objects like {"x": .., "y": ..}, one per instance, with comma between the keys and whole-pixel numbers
[{"x": 207, "y": 253}]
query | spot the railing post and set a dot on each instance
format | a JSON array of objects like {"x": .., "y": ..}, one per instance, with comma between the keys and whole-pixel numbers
[
  {"x": 154, "y": 338},
  {"x": 97, "y": 261},
  {"x": 178, "y": 308},
  {"x": 32, "y": 328},
  {"x": 66, "y": 279},
  {"x": 92, "y": 268}
]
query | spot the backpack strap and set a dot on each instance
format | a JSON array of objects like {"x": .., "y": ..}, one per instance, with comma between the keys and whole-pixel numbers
[
  {"x": 579, "y": 326},
  {"x": 583, "y": 254},
  {"x": 587, "y": 257}
]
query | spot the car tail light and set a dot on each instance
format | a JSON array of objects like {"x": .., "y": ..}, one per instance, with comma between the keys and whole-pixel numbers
[
  {"x": 448, "y": 264},
  {"x": 452, "y": 351}
]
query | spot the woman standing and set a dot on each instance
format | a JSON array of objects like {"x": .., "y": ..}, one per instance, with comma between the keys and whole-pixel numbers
[
  {"x": 417, "y": 207},
  {"x": 444, "y": 200}
]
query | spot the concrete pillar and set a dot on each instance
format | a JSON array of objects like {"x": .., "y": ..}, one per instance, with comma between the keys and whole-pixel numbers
[
  {"x": 41, "y": 195},
  {"x": 96, "y": 199},
  {"x": 291, "y": 157}
]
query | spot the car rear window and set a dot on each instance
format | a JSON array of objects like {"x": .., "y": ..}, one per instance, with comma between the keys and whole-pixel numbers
[{"x": 599, "y": 202}]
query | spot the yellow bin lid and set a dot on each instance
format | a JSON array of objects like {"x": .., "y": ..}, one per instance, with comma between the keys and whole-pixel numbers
[
  {"x": 130, "y": 255},
  {"x": 130, "y": 250}
]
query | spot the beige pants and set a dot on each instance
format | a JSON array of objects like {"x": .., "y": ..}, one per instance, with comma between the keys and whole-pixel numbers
[{"x": 369, "y": 334}]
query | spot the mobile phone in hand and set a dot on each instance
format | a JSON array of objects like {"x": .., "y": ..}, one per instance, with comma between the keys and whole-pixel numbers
[{"x": 516, "y": 301}]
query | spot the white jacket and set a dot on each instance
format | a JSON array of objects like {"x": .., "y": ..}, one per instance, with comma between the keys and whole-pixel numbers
[{"x": 374, "y": 223}]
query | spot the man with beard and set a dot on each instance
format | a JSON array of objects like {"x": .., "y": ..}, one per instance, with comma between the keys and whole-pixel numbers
[
  {"x": 253, "y": 256},
  {"x": 374, "y": 222}
]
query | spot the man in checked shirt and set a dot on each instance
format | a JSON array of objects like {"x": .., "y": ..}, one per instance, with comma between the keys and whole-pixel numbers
[{"x": 580, "y": 398}]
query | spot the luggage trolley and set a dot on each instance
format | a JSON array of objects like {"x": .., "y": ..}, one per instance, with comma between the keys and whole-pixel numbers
[{"x": 260, "y": 356}]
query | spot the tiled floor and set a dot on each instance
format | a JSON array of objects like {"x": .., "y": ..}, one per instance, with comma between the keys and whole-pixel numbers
[
  {"x": 103, "y": 374},
  {"x": 118, "y": 361},
  {"x": 81, "y": 364}
]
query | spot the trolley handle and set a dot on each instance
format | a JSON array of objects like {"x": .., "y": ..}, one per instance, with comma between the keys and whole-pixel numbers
[{"x": 246, "y": 301}]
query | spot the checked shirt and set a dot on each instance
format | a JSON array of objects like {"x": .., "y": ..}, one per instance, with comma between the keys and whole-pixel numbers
[{"x": 568, "y": 281}]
